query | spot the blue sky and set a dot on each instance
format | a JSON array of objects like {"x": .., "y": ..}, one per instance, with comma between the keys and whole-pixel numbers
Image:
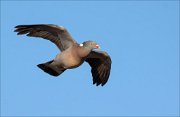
[{"x": 142, "y": 38}]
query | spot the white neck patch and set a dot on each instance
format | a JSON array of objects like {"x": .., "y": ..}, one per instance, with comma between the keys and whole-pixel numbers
[
  {"x": 81, "y": 45},
  {"x": 62, "y": 28}
]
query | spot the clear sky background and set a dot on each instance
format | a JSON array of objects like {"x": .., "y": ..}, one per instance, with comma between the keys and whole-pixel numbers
[{"x": 142, "y": 38}]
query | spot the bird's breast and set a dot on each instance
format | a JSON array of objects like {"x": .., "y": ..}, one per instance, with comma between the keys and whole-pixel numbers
[
  {"x": 69, "y": 60},
  {"x": 72, "y": 62}
]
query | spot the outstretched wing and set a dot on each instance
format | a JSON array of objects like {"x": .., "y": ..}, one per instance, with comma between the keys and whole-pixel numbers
[
  {"x": 100, "y": 63},
  {"x": 56, "y": 34}
]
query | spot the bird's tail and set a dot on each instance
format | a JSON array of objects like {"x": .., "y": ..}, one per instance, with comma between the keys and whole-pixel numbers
[{"x": 48, "y": 69}]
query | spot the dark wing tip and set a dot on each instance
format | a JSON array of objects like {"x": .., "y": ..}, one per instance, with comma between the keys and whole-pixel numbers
[
  {"x": 103, "y": 84},
  {"x": 17, "y": 26},
  {"x": 103, "y": 75},
  {"x": 20, "y": 26},
  {"x": 21, "y": 29}
]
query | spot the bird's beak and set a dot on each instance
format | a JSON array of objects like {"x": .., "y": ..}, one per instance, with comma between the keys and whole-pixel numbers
[{"x": 97, "y": 46}]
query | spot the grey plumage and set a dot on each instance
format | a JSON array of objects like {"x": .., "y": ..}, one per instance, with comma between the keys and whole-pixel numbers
[{"x": 72, "y": 54}]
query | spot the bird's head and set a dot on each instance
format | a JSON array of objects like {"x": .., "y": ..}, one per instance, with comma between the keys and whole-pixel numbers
[{"x": 90, "y": 45}]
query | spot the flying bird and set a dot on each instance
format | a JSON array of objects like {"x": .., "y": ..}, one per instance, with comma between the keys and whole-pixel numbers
[{"x": 72, "y": 54}]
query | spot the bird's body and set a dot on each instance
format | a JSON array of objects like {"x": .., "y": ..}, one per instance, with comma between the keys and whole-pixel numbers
[
  {"x": 72, "y": 54},
  {"x": 71, "y": 57}
]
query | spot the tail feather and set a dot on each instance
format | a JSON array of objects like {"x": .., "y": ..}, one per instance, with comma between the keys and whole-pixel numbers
[{"x": 46, "y": 68}]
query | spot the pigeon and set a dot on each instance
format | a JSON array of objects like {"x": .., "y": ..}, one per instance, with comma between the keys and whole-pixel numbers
[{"x": 71, "y": 54}]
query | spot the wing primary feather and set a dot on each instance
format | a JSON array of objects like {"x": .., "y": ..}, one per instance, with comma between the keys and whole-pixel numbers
[
  {"x": 22, "y": 32},
  {"x": 104, "y": 79},
  {"x": 107, "y": 76}
]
